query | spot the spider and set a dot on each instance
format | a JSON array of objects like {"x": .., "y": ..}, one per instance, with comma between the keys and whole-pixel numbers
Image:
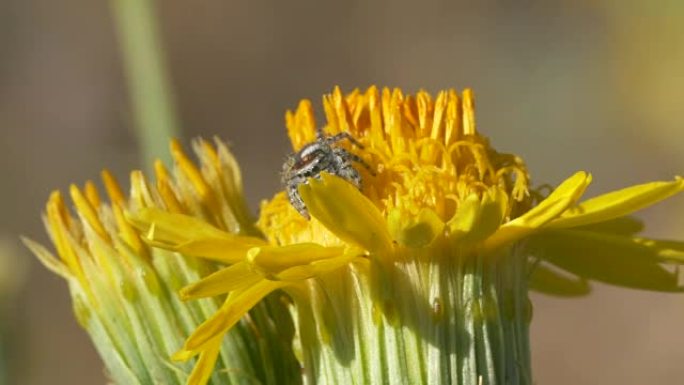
[{"x": 323, "y": 154}]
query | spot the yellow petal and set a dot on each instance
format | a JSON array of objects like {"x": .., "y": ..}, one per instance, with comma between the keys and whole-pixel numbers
[
  {"x": 299, "y": 261},
  {"x": 316, "y": 268},
  {"x": 87, "y": 212},
  {"x": 548, "y": 281},
  {"x": 113, "y": 188},
  {"x": 128, "y": 233},
  {"x": 191, "y": 236},
  {"x": 613, "y": 259},
  {"x": 204, "y": 366},
  {"x": 618, "y": 203},
  {"x": 414, "y": 231},
  {"x": 235, "y": 277},
  {"x": 343, "y": 210},
  {"x": 554, "y": 205},
  {"x": 194, "y": 175},
  {"x": 183, "y": 355},
  {"x": 478, "y": 218},
  {"x": 237, "y": 305},
  {"x": 273, "y": 259},
  {"x": 47, "y": 259},
  {"x": 58, "y": 223}
]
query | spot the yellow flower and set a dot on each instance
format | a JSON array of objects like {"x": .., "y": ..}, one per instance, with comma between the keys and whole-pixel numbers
[
  {"x": 419, "y": 277},
  {"x": 123, "y": 291}
]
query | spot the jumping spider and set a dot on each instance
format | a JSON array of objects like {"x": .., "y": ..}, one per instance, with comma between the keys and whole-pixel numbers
[{"x": 323, "y": 154}]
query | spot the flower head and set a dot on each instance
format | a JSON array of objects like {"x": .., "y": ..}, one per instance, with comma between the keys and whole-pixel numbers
[
  {"x": 428, "y": 158},
  {"x": 419, "y": 277},
  {"x": 430, "y": 259},
  {"x": 123, "y": 291}
]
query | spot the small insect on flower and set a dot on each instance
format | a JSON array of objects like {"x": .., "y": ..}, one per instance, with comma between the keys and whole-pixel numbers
[{"x": 321, "y": 155}]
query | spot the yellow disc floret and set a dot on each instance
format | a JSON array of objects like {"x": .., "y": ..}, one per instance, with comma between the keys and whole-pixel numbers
[{"x": 427, "y": 156}]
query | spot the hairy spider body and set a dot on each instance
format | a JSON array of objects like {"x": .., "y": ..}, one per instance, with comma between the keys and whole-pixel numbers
[{"x": 321, "y": 155}]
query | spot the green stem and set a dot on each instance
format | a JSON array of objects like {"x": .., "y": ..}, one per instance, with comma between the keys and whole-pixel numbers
[{"x": 146, "y": 76}]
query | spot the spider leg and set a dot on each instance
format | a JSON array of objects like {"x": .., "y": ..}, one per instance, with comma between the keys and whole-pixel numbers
[
  {"x": 354, "y": 158},
  {"x": 344, "y": 135},
  {"x": 294, "y": 197}
]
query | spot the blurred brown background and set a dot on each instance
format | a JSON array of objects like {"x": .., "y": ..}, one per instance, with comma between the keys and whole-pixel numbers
[{"x": 568, "y": 85}]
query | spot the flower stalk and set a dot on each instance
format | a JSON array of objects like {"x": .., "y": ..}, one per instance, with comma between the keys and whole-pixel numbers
[{"x": 151, "y": 94}]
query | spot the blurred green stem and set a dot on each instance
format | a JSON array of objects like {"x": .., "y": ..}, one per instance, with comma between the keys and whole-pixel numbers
[{"x": 148, "y": 80}]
